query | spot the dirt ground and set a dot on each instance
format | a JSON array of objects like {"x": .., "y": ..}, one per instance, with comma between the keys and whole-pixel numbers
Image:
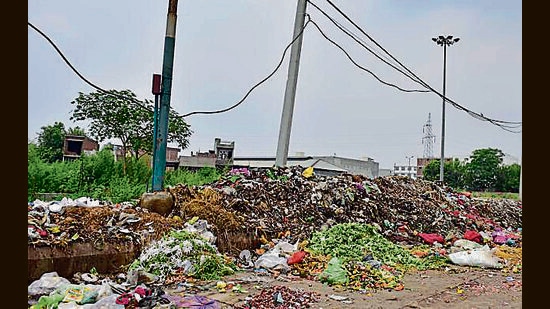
[{"x": 458, "y": 287}]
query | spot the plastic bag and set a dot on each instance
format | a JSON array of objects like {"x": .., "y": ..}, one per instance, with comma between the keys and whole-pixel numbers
[
  {"x": 47, "y": 283},
  {"x": 271, "y": 259},
  {"x": 308, "y": 172},
  {"x": 108, "y": 302},
  {"x": 286, "y": 247},
  {"x": 473, "y": 236},
  {"x": 46, "y": 302},
  {"x": 431, "y": 238},
  {"x": 81, "y": 294},
  {"x": 482, "y": 257},
  {"x": 334, "y": 273},
  {"x": 499, "y": 237},
  {"x": 297, "y": 257},
  {"x": 105, "y": 290},
  {"x": 194, "y": 301},
  {"x": 467, "y": 244}
]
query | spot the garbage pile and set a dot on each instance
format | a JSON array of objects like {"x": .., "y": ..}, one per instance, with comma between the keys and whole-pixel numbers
[
  {"x": 280, "y": 297},
  {"x": 345, "y": 230},
  {"x": 60, "y": 223},
  {"x": 281, "y": 200}
]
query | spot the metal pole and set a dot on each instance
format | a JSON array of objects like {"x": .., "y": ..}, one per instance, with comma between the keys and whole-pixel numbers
[
  {"x": 290, "y": 92},
  {"x": 442, "y": 163},
  {"x": 159, "y": 165},
  {"x": 155, "y": 130}
]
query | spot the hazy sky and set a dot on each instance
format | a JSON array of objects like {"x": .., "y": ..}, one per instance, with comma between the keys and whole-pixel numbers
[{"x": 224, "y": 47}]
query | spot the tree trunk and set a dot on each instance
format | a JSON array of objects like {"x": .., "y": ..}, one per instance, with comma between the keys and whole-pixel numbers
[{"x": 124, "y": 158}]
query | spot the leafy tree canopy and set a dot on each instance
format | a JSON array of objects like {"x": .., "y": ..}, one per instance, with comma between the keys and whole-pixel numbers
[
  {"x": 78, "y": 131},
  {"x": 115, "y": 115},
  {"x": 50, "y": 142},
  {"x": 454, "y": 172},
  {"x": 483, "y": 169}
]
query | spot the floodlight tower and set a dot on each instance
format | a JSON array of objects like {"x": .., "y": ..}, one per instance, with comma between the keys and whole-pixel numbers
[{"x": 444, "y": 41}]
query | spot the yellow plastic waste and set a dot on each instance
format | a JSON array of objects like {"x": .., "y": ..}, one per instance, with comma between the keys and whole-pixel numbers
[
  {"x": 308, "y": 172},
  {"x": 220, "y": 285}
]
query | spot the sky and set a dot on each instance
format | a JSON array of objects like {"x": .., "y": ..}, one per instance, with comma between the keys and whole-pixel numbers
[{"x": 223, "y": 48}]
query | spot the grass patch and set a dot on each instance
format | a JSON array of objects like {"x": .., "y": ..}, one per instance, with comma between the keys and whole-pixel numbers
[{"x": 503, "y": 195}]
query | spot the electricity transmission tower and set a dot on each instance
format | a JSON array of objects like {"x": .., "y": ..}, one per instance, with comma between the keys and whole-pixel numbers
[{"x": 429, "y": 138}]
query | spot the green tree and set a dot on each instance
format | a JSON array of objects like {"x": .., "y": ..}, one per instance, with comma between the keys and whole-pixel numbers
[
  {"x": 50, "y": 142},
  {"x": 508, "y": 180},
  {"x": 78, "y": 131},
  {"x": 482, "y": 172},
  {"x": 431, "y": 171},
  {"x": 116, "y": 115},
  {"x": 454, "y": 172},
  {"x": 32, "y": 153}
]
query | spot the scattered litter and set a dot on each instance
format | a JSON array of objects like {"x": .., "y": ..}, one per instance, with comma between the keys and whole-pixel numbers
[
  {"x": 482, "y": 257},
  {"x": 337, "y": 297},
  {"x": 279, "y": 297}
]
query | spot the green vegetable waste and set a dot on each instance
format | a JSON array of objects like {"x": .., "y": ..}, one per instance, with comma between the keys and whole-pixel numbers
[
  {"x": 369, "y": 260},
  {"x": 355, "y": 241},
  {"x": 183, "y": 250}
]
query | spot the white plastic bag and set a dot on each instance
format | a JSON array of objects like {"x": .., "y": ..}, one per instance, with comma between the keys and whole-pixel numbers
[
  {"x": 286, "y": 247},
  {"x": 271, "y": 259},
  {"x": 47, "y": 283},
  {"x": 482, "y": 257},
  {"x": 467, "y": 244}
]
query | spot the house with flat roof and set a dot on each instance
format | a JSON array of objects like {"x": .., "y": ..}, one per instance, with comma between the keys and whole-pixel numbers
[{"x": 74, "y": 146}]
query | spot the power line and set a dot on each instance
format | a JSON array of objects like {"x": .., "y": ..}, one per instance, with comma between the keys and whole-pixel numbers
[
  {"x": 359, "y": 66},
  {"x": 140, "y": 103},
  {"x": 506, "y": 125},
  {"x": 420, "y": 81},
  {"x": 133, "y": 100},
  {"x": 262, "y": 81},
  {"x": 354, "y": 37}
]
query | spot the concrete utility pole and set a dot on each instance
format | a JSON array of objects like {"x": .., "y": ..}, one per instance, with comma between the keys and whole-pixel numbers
[
  {"x": 159, "y": 157},
  {"x": 443, "y": 41},
  {"x": 290, "y": 92}
]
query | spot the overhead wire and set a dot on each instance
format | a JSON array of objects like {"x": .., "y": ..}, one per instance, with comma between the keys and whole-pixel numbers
[
  {"x": 458, "y": 106},
  {"x": 502, "y": 124},
  {"x": 184, "y": 115},
  {"x": 361, "y": 67},
  {"x": 260, "y": 82},
  {"x": 506, "y": 125},
  {"x": 133, "y": 100},
  {"x": 360, "y": 39},
  {"x": 354, "y": 37}
]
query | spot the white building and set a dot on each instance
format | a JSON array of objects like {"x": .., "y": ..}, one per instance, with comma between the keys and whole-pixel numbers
[{"x": 405, "y": 170}]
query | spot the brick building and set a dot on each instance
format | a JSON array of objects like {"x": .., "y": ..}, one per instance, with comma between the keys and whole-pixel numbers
[{"x": 74, "y": 146}]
